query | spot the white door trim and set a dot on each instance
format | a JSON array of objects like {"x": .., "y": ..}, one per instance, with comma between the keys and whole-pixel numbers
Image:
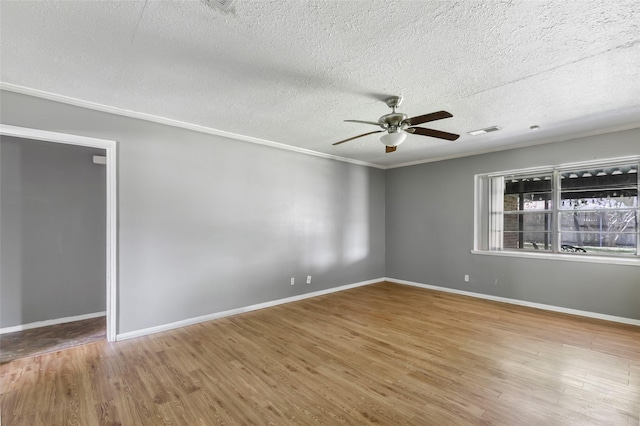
[{"x": 112, "y": 235}]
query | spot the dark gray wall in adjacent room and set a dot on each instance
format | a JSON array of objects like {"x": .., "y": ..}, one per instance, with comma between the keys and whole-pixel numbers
[
  {"x": 208, "y": 223},
  {"x": 52, "y": 231},
  {"x": 429, "y": 225}
]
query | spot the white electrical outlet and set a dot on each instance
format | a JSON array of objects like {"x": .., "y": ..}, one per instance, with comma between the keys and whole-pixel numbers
[
  {"x": 293, "y": 281},
  {"x": 466, "y": 278},
  {"x": 308, "y": 279}
]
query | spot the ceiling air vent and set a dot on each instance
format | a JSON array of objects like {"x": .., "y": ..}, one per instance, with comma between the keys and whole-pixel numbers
[
  {"x": 485, "y": 130},
  {"x": 219, "y": 4}
]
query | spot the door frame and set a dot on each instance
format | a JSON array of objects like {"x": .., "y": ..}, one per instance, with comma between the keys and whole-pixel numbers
[{"x": 110, "y": 148}]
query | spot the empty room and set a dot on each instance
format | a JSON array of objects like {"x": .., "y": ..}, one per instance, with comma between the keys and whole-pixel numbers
[{"x": 319, "y": 212}]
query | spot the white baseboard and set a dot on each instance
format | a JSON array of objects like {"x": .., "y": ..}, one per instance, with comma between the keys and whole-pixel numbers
[
  {"x": 217, "y": 315},
  {"x": 46, "y": 323},
  {"x": 553, "y": 308}
]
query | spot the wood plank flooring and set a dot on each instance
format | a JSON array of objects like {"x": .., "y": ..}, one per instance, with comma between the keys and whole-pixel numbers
[
  {"x": 38, "y": 341},
  {"x": 384, "y": 353}
]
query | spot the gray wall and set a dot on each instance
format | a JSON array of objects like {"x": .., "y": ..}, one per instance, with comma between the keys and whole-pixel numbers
[
  {"x": 208, "y": 224},
  {"x": 52, "y": 238},
  {"x": 429, "y": 225}
]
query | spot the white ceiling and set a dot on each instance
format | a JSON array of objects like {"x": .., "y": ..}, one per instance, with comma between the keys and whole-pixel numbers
[{"x": 291, "y": 71}]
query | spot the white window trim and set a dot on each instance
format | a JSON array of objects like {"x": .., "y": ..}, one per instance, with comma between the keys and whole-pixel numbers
[
  {"x": 563, "y": 257},
  {"x": 480, "y": 202}
]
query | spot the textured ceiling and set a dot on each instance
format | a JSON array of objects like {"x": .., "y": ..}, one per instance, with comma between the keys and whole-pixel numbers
[{"x": 292, "y": 71}]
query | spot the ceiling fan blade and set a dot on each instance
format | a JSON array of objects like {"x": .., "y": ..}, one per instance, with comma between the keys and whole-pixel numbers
[
  {"x": 359, "y": 136},
  {"x": 428, "y": 117},
  {"x": 375, "y": 123},
  {"x": 433, "y": 133},
  {"x": 389, "y": 149}
]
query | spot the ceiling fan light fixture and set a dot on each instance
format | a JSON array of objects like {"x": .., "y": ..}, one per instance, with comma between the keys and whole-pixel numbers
[{"x": 393, "y": 138}]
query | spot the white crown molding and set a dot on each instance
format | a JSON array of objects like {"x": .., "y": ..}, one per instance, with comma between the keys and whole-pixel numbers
[
  {"x": 208, "y": 130},
  {"x": 174, "y": 123},
  {"x": 47, "y": 323},
  {"x": 553, "y": 308},
  {"x": 217, "y": 315}
]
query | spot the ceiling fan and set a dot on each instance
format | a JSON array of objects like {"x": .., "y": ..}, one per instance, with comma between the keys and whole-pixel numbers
[{"x": 397, "y": 125}]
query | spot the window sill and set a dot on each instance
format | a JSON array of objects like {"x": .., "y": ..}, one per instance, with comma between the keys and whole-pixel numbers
[{"x": 562, "y": 257}]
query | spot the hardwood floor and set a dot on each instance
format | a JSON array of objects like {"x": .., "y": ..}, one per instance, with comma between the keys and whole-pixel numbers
[
  {"x": 37, "y": 341},
  {"x": 384, "y": 353}
]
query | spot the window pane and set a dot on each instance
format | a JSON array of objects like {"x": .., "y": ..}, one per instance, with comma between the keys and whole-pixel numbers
[
  {"x": 600, "y": 232},
  {"x": 527, "y": 240},
  {"x": 612, "y": 188},
  {"x": 617, "y": 221},
  {"x": 527, "y": 222},
  {"x": 527, "y": 193},
  {"x": 529, "y": 201},
  {"x": 601, "y": 244},
  {"x": 573, "y": 201},
  {"x": 527, "y": 231}
]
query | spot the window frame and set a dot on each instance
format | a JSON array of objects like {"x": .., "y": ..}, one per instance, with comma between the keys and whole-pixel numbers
[{"x": 484, "y": 241}]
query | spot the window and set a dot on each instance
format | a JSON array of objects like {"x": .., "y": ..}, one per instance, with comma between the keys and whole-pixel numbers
[{"x": 586, "y": 209}]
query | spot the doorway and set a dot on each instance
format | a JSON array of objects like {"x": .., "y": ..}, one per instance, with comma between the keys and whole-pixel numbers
[{"x": 109, "y": 149}]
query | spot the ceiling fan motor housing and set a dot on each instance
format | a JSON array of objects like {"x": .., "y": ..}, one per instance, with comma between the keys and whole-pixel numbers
[{"x": 393, "y": 120}]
